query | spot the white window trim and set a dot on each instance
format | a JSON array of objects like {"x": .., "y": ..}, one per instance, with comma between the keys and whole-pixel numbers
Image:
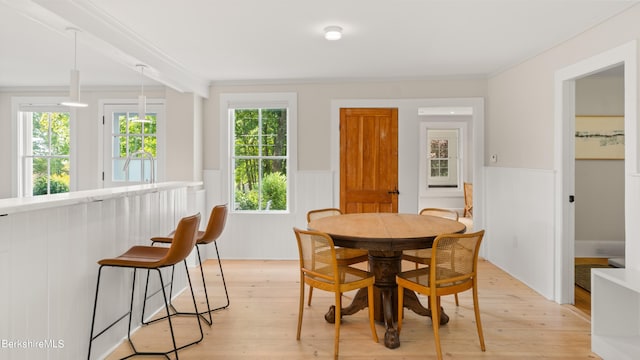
[
  {"x": 17, "y": 139},
  {"x": 161, "y": 141},
  {"x": 228, "y": 101},
  {"x": 424, "y": 190}
]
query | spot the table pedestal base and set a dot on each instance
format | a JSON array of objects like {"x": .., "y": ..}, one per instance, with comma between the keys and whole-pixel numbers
[{"x": 385, "y": 266}]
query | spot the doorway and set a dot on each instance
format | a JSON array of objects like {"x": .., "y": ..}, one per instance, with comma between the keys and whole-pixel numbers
[
  {"x": 599, "y": 176},
  {"x": 369, "y": 160},
  {"x": 565, "y": 127},
  {"x": 409, "y": 120},
  {"x": 123, "y": 135}
]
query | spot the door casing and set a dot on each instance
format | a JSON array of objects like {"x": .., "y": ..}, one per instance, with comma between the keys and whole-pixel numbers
[{"x": 565, "y": 157}]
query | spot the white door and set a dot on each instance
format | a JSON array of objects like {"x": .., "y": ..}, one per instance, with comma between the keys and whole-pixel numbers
[{"x": 128, "y": 138}]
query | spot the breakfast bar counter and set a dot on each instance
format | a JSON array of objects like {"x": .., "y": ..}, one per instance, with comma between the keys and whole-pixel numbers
[{"x": 49, "y": 246}]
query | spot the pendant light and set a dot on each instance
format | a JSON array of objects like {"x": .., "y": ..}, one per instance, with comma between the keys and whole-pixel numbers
[
  {"x": 142, "y": 100},
  {"x": 74, "y": 86}
]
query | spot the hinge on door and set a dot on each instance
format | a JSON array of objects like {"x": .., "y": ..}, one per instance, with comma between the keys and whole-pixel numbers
[
  {"x": 103, "y": 176},
  {"x": 102, "y": 124}
]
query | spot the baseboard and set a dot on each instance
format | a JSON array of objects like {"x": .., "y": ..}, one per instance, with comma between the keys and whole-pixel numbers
[{"x": 599, "y": 248}]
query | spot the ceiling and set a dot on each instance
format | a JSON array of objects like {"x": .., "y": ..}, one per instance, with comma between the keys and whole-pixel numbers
[{"x": 189, "y": 44}]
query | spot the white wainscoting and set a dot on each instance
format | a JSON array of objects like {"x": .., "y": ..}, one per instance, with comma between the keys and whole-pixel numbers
[
  {"x": 520, "y": 224},
  {"x": 196, "y": 203},
  {"x": 632, "y": 225},
  {"x": 48, "y": 270},
  {"x": 599, "y": 248},
  {"x": 269, "y": 236}
]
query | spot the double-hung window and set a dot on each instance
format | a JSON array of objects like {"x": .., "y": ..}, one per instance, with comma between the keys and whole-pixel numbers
[
  {"x": 260, "y": 160},
  {"x": 44, "y": 149},
  {"x": 443, "y": 157},
  {"x": 441, "y": 163}
]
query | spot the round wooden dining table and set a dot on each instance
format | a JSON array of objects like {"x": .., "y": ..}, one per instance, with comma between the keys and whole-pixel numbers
[{"x": 385, "y": 236}]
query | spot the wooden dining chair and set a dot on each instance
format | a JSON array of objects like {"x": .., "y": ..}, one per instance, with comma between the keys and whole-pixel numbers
[
  {"x": 453, "y": 269},
  {"x": 325, "y": 273},
  {"x": 468, "y": 200},
  {"x": 423, "y": 256},
  {"x": 344, "y": 256}
]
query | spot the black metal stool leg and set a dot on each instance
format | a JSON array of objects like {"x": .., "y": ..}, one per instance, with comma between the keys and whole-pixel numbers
[
  {"x": 130, "y": 315},
  {"x": 224, "y": 283},
  {"x": 95, "y": 306},
  {"x": 176, "y": 348},
  {"x": 202, "y": 314},
  {"x": 209, "y": 321},
  {"x": 166, "y": 305},
  {"x": 206, "y": 295},
  {"x": 133, "y": 290},
  {"x": 93, "y": 317},
  {"x": 195, "y": 305},
  {"x": 147, "y": 297}
]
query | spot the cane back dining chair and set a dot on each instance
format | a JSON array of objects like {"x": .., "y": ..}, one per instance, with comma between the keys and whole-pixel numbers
[
  {"x": 468, "y": 199},
  {"x": 423, "y": 256},
  {"x": 453, "y": 269},
  {"x": 153, "y": 258},
  {"x": 344, "y": 256},
  {"x": 215, "y": 226},
  {"x": 326, "y": 274}
]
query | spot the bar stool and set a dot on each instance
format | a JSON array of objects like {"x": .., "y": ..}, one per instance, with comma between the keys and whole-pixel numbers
[
  {"x": 214, "y": 229},
  {"x": 153, "y": 258}
]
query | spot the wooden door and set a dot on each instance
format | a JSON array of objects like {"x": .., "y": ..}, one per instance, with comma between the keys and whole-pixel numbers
[{"x": 369, "y": 160}]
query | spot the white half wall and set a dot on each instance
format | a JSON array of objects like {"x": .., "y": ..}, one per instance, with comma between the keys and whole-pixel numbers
[
  {"x": 632, "y": 248},
  {"x": 604, "y": 248},
  {"x": 269, "y": 236},
  {"x": 520, "y": 225}
]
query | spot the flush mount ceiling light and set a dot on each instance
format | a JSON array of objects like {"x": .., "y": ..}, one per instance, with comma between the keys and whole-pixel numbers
[
  {"x": 74, "y": 86},
  {"x": 333, "y": 33},
  {"x": 142, "y": 100}
]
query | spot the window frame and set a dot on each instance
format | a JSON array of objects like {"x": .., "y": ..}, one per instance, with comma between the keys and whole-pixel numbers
[
  {"x": 41, "y": 104},
  {"x": 228, "y": 102},
  {"x": 109, "y": 106},
  {"x": 424, "y": 156},
  {"x": 452, "y": 160}
]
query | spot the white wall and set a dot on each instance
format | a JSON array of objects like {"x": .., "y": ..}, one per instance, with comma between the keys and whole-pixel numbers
[
  {"x": 314, "y": 106},
  {"x": 520, "y": 129},
  {"x": 183, "y": 140},
  {"x": 183, "y": 136},
  {"x": 520, "y": 230},
  {"x": 270, "y": 236}
]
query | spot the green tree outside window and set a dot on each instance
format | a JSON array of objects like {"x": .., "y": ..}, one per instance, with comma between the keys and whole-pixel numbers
[
  {"x": 260, "y": 159},
  {"x": 50, "y": 152}
]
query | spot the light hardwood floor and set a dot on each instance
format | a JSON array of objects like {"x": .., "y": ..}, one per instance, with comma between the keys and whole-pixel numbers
[
  {"x": 582, "y": 298},
  {"x": 261, "y": 322}
]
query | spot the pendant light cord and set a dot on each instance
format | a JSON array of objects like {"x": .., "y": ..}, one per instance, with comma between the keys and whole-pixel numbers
[
  {"x": 141, "y": 79},
  {"x": 75, "y": 50}
]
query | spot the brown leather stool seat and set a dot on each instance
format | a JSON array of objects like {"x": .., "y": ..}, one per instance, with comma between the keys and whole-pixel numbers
[
  {"x": 214, "y": 229},
  {"x": 153, "y": 258}
]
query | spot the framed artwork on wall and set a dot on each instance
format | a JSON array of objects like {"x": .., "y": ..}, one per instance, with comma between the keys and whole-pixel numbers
[{"x": 599, "y": 137}]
